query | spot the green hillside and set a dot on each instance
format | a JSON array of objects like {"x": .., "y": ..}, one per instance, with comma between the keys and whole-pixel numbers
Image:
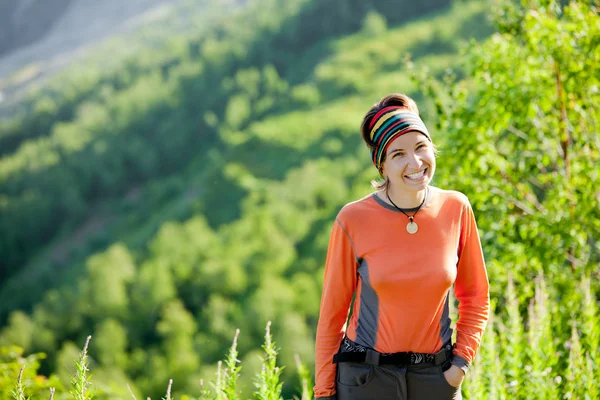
[
  {"x": 162, "y": 204},
  {"x": 82, "y": 171},
  {"x": 51, "y": 181},
  {"x": 180, "y": 172}
]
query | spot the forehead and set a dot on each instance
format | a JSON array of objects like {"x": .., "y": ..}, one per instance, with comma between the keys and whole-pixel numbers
[{"x": 408, "y": 140}]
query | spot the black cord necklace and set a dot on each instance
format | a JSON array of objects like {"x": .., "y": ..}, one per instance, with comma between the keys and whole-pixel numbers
[{"x": 412, "y": 226}]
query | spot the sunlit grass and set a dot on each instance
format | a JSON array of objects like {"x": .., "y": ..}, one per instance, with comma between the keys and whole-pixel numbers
[{"x": 518, "y": 358}]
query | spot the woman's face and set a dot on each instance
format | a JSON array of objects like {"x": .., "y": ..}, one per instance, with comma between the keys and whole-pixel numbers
[{"x": 409, "y": 162}]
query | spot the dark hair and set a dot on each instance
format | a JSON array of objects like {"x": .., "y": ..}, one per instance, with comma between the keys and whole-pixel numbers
[{"x": 394, "y": 99}]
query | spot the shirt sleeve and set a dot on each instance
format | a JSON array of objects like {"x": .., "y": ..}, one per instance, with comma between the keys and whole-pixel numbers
[
  {"x": 472, "y": 292},
  {"x": 339, "y": 284}
]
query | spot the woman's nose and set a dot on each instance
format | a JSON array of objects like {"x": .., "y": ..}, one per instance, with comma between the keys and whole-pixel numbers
[{"x": 414, "y": 160}]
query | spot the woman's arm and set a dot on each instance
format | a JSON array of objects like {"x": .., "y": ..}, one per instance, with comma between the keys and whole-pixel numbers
[
  {"x": 339, "y": 284},
  {"x": 472, "y": 292}
]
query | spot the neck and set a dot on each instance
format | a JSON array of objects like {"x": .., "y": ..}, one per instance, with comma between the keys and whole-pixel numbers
[{"x": 406, "y": 199}]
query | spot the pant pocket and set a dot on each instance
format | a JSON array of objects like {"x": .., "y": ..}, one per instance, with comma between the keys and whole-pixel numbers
[
  {"x": 441, "y": 370},
  {"x": 360, "y": 381},
  {"x": 354, "y": 375}
]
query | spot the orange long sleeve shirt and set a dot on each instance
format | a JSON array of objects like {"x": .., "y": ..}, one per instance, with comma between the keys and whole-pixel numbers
[{"x": 402, "y": 281}]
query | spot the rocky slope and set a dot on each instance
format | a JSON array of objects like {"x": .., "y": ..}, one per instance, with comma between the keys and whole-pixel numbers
[{"x": 40, "y": 37}]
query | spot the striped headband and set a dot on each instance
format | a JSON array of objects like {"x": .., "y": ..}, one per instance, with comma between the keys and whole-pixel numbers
[{"x": 388, "y": 124}]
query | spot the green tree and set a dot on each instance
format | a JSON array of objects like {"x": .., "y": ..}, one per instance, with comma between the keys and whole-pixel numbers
[
  {"x": 109, "y": 274},
  {"x": 520, "y": 140},
  {"x": 374, "y": 24},
  {"x": 19, "y": 332},
  {"x": 177, "y": 328},
  {"x": 14, "y": 362},
  {"x": 110, "y": 344}
]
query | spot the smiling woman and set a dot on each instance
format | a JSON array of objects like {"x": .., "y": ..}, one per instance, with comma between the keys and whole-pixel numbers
[
  {"x": 394, "y": 116},
  {"x": 400, "y": 268}
]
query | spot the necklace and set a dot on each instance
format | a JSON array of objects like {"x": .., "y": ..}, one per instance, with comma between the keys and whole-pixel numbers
[{"x": 412, "y": 226}]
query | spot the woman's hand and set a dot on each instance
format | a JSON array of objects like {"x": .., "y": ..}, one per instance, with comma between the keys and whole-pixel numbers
[{"x": 454, "y": 376}]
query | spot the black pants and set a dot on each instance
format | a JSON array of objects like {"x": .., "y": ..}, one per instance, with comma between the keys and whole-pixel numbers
[{"x": 362, "y": 381}]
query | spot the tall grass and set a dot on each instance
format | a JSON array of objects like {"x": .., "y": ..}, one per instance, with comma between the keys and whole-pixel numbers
[
  {"x": 305, "y": 379},
  {"x": 226, "y": 383},
  {"x": 17, "y": 392},
  {"x": 522, "y": 356},
  {"x": 81, "y": 381},
  {"x": 268, "y": 384},
  {"x": 168, "y": 395}
]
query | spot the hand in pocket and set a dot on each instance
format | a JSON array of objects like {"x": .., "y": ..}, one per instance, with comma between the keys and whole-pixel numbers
[{"x": 454, "y": 376}]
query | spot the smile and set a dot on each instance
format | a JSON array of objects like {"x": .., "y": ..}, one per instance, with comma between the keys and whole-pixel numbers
[{"x": 417, "y": 175}]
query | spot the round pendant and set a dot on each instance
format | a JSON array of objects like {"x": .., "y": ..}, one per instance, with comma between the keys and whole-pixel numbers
[{"x": 412, "y": 227}]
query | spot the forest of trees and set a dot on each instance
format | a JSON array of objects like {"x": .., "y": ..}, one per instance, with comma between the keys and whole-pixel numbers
[{"x": 164, "y": 203}]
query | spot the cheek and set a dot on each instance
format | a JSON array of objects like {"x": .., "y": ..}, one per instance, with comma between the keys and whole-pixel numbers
[
  {"x": 430, "y": 158},
  {"x": 432, "y": 163},
  {"x": 398, "y": 164}
]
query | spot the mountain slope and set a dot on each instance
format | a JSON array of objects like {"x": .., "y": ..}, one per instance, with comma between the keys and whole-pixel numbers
[
  {"x": 212, "y": 188},
  {"x": 39, "y": 39}
]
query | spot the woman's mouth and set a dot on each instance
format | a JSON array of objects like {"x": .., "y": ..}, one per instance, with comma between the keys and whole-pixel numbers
[{"x": 417, "y": 176}]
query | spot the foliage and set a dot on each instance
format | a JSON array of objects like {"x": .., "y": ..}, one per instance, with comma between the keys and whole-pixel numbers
[
  {"x": 306, "y": 380},
  {"x": 231, "y": 372},
  {"x": 521, "y": 141},
  {"x": 81, "y": 381},
  {"x": 181, "y": 201},
  {"x": 488, "y": 377},
  {"x": 268, "y": 384},
  {"x": 86, "y": 136},
  {"x": 151, "y": 268},
  {"x": 17, "y": 392},
  {"x": 529, "y": 157},
  {"x": 18, "y": 375},
  {"x": 526, "y": 363}
]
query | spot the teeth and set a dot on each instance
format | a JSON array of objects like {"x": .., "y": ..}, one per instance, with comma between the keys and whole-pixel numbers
[{"x": 416, "y": 175}]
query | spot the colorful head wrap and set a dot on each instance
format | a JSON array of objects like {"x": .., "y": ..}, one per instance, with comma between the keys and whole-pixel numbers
[{"x": 388, "y": 124}]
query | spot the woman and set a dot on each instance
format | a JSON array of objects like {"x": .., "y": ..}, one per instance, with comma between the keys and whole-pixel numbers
[{"x": 398, "y": 251}]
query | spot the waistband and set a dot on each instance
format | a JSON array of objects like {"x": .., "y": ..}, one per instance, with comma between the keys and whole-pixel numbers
[{"x": 353, "y": 352}]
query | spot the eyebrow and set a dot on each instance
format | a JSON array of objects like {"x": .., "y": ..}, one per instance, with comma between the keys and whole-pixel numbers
[{"x": 398, "y": 150}]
